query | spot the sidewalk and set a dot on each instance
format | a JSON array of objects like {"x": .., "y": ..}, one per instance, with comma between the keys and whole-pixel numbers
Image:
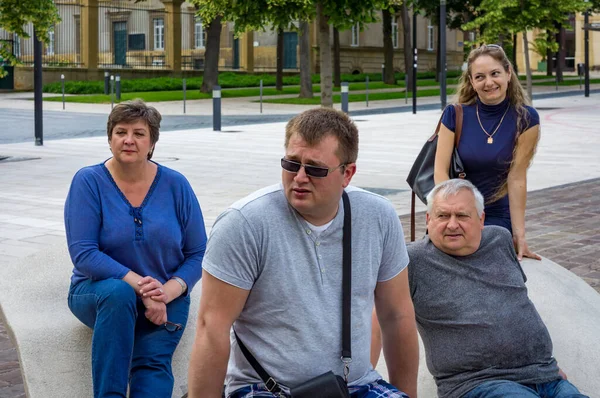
[{"x": 563, "y": 221}]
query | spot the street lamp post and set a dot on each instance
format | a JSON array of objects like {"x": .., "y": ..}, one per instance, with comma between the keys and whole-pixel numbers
[
  {"x": 37, "y": 87},
  {"x": 414, "y": 69},
  {"x": 443, "y": 52},
  {"x": 586, "y": 39}
]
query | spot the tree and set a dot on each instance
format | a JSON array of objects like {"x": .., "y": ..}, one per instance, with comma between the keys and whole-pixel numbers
[
  {"x": 306, "y": 90},
  {"x": 342, "y": 17},
  {"x": 15, "y": 14},
  {"x": 520, "y": 16},
  {"x": 279, "y": 71},
  {"x": 254, "y": 15},
  {"x": 337, "y": 73},
  {"x": 388, "y": 47},
  {"x": 408, "y": 55},
  {"x": 458, "y": 12}
]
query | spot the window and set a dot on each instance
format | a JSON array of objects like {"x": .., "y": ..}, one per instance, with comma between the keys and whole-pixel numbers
[
  {"x": 395, "y": 34},
  {"x": 430, "y": 36},
  {"x": 355, "y": 33},
  {"x": 199, "y": 35},
  {"x": 50, "y": 45},
  {"x": 159, "y": 34},
  {"x": 16, "y": 45},
  {"x": 471, "y": 36}
]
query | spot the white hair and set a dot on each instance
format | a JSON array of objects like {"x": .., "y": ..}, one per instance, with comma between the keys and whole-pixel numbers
[{"x": 453, "y": 187}]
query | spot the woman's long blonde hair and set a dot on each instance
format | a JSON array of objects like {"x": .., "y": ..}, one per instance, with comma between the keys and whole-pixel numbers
[{"x": 517, "y": 97}]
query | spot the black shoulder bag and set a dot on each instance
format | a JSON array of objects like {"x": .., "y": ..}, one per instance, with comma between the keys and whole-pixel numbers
[
  {"x": 326, "y": 385},
  {"x": 420, "y": 177}
]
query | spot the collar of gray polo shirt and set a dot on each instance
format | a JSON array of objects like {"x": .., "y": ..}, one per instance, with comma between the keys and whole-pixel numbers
[{"x": 270, "y": 383}]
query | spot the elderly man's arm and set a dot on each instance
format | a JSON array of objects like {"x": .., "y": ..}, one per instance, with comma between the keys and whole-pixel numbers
[
  {"x": 220, "y": 305},
  {"x": 399, "y": 334}
]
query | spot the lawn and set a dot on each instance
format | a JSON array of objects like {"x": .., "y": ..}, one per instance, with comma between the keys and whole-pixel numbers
[
  {"x": 158, "y": 96},
  {"x": 570, "y": 82}
]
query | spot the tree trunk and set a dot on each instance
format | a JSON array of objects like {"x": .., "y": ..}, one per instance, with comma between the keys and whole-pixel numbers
[
  {"x": 279, "y": 72},
  {"x": 562, "y": 54},
  {"x": 408, "y": 56},
  {"x": 388, "y": 48},
  {"x": 549, "y": 54},
  {"x": 438, "y": 51},
  {"x": 514, "y": 54},
  {"x": 306, "y": 90},
  {"x": 337, "y": 75},
  {"x": 527, "y": 65},
  {"x": 325, "y": 57},
  {"x": 211, "y": 56}
]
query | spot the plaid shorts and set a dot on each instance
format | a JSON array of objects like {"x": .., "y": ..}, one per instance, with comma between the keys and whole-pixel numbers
[{"x": 377, "y": 389}]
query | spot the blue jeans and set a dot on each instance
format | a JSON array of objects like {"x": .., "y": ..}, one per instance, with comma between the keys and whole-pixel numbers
[
  {"x": 503, "y": 388},
  {"x": 126, "y": 347}
]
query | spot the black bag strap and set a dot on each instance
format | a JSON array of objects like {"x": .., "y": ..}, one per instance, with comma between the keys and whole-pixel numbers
[
  {"x": 346, "y": 357},
  {"x": 458, "y": 110},
  {"x": 346, "y": 285}
]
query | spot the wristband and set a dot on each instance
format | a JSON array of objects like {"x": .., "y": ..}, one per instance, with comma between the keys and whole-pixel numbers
[{"x": 181, "y": 282}]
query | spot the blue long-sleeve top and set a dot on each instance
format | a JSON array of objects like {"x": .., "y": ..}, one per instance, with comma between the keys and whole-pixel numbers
[
  {"x": 487, "y": 165},
  {"x": 108, "y": 237}
]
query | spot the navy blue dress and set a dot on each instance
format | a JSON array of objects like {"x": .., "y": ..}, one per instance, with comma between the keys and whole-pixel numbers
[{"x": 487, "y": 165}]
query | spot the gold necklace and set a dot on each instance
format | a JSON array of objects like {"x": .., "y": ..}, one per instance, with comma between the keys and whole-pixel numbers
[{"x": 490, "y": 139}]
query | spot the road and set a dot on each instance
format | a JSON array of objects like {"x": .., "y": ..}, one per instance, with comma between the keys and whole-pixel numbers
[{"x": 18, "y": 124}]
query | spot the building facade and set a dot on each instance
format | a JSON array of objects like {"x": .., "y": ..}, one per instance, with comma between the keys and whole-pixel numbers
[{"x": 164, "y": 37}]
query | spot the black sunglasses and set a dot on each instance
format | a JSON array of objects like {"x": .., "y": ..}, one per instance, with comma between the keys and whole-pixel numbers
[
  {"x": 172, "y": 326},
  {"x": 311, "y": 171}
]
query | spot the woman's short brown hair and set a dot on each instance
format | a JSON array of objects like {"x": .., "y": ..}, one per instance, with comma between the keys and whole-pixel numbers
[
  {"x": 134, "y": 111},
  {"x": 315, "y": 124}
]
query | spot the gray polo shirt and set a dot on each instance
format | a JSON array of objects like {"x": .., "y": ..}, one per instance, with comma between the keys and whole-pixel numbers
[
  {"x": 292, "y": 319},
  {"x": 475, "y": 318}
]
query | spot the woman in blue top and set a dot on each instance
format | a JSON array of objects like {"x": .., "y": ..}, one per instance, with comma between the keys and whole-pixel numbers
[
  {"x": 499, "y": 138},
  {"x": 136, "y": 238}
]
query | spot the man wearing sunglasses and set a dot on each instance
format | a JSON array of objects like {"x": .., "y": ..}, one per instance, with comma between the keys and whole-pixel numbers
[{"x": 273, "y": 271}]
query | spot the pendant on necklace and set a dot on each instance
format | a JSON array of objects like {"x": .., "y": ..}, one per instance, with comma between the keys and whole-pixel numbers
[{"x": 490, "y": 140}]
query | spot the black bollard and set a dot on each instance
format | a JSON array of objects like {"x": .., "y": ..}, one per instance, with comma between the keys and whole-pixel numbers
[
  {"x": 106, "y": 82},
  {"x": 261, "y": 94},
  {"x": 112, "y": 91},
  {"x": 345, "y": 97},
  {"x": 184, "y": 92},
  {"x": 217, "y": 108},
  {"x": 62, "y": 84},
  {"x": 367, "y": 90},
  {"x": 118, "y": 84}
]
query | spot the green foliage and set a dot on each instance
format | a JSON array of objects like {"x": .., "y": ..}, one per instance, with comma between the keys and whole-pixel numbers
[
  {"x": 498, "y": 17},
  {"x": 541, "y": 45},
  {"x": 16, "y": 14},
  {"x": 226, "y": 80}
]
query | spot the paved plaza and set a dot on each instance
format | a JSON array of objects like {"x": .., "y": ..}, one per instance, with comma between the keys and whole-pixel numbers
[{"x": 563, "y": 213}]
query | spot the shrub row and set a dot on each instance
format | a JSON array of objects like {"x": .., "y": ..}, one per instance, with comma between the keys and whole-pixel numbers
[{"x": 226, "y": 80}]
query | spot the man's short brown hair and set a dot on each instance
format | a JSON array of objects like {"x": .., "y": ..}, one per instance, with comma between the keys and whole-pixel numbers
[
  {"x": 134, "y": 111},
  {"x": 315, "y": 124}
]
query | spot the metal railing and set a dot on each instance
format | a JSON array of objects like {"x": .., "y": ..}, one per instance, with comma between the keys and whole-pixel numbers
[
  {"x": 64, "y": 46},
  {"x": 132, "y": 35}
]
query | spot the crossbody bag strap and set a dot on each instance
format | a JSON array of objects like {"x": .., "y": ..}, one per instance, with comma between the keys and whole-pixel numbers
[
  {"x": 270, "y": 383},
  {"x": 346, "y": 287},
  {"x": 458, "y": 110}
]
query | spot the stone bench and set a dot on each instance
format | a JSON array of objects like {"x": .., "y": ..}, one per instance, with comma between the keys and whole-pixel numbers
[{"x": 54, "y": 347}]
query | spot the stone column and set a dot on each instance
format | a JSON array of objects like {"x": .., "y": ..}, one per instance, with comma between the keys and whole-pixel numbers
[
  {"x": 89, "y": 34},
  {"x": 247, "y": 52},
  {"x": 173, "y": 33}
]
